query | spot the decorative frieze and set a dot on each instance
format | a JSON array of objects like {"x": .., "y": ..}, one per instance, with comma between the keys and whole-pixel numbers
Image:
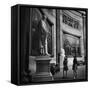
[{"x": 70, "y": 21}]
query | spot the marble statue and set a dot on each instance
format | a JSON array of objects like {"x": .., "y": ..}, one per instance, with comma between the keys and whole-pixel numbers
[{"x": 43, "y": 35}]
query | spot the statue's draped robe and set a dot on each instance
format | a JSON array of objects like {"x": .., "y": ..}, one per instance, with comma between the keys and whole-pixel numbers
[{"x": 43, "y": 34}]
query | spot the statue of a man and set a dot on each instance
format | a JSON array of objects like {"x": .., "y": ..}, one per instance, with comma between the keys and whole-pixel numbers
[{"x": 43, "y": 34}]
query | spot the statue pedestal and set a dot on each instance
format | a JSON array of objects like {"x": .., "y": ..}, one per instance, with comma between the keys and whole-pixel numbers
[{"x": 42, "y": 69}]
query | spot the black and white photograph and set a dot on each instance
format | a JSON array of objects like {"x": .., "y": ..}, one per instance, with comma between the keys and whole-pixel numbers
[{"x": 48, "y": 44}]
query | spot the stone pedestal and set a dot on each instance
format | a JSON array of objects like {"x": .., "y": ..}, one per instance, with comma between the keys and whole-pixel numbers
[{"x": 42, "y": 69}]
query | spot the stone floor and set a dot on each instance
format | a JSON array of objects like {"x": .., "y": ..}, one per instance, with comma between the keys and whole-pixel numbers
[{"x": 80, "y": 73}]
